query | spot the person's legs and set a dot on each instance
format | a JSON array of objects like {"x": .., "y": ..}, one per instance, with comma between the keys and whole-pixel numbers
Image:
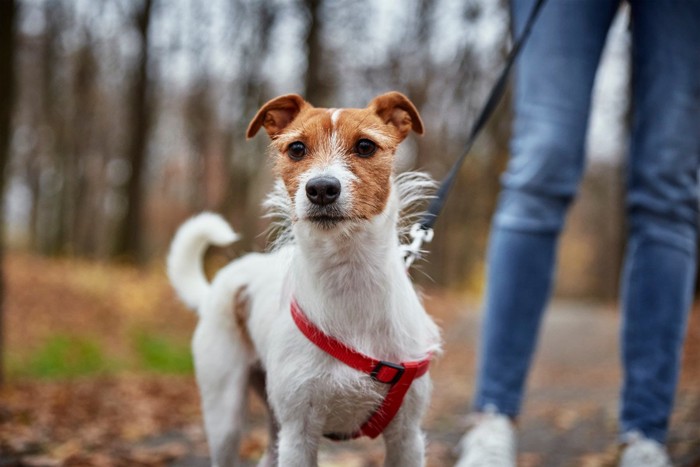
[
  {"x": 553, "y": 85},
  {"x": 659, "y": 271}
]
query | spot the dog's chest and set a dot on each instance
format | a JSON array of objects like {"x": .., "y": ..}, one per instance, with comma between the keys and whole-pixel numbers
[
  {"x": 322, "y": 387},
  {"x": 351, "y": 399}
]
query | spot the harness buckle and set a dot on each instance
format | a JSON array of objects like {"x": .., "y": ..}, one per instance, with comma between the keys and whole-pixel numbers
[{"x": 379, "y": 375}]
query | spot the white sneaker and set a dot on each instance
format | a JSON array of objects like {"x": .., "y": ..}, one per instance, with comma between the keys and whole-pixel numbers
[
  {"x": 643, "y": 452},
  {"x": 490, "y": 442}
]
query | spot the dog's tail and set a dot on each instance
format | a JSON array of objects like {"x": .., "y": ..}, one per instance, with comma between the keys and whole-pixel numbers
[{"x": 185, "y": 259}]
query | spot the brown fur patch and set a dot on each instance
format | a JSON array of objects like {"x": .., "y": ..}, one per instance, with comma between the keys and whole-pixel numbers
[
  {"x": 325, "y": 141},
  {"x": 240, "y": 316},
  {"x": 386, "y": 122},
  {"x": 371, "y": 189},
  {"x": 313, "y": 128}
]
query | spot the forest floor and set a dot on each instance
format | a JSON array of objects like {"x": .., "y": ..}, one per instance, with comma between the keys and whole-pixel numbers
[{"x": 100, "y": 375}]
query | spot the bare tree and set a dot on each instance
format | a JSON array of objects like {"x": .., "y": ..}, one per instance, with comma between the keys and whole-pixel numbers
[
  {"x": 253, "y": 22},
  {"x": 71, "y": 111},
  {"x": 50, "y": 204},
  {"x": 319, "y": 83},
  {"x": 200, "y": 121},
  {"x": 81, "y": 214},
  {"x": 8, "y": 14},
  {"x": 130, "y": 230}
]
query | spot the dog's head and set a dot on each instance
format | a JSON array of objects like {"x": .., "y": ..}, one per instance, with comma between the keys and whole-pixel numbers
[{"x": 336, "y": 164}]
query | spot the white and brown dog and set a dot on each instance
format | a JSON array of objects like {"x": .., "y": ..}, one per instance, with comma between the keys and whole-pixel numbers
[{"x": 329, "y": 321}]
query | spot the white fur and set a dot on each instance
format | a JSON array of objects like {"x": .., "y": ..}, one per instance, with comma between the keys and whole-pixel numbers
[
  {"x": 351, "y": 282},
  {"x": 335, "y": 115},
  {"x": 187, "y": 250}
]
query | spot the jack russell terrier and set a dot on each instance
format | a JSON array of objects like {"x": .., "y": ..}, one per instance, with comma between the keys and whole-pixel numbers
[{"x": 327, "y": 326}]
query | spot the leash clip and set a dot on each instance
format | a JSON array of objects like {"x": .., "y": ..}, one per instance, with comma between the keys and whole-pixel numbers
[{"x": 420, "y": 235}]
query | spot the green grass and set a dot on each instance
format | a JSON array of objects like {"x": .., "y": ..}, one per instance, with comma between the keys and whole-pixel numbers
[
  {"x": 63, "y": 356},
  {"x": 69, "y": 356},
  {"x": 161, "y": 354}
]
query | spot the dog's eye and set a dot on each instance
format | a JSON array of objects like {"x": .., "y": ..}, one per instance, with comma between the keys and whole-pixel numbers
[
  {"x": 365, "y": 148},
  {"x": 296, "y": 150}
]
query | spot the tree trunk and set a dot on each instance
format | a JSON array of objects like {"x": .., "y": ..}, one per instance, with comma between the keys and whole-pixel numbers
[
  {"x": 241, "y": 160},
  {"x": 83, "y": 212},
  {"x": 130, "y": 231},
  {"x": 318, "y": 85},
  {"x": 8, "y": 12},
  {"x": 49, "y": 229}
]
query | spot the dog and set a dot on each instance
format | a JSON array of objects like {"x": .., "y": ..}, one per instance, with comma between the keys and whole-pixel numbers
[{"x": 318, "y": 324}]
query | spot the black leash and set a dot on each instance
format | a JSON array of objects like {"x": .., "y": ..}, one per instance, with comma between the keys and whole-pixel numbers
[{"x": 423, "y": 231}]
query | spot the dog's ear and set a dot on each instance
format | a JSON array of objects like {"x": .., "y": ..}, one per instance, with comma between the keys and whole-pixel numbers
[
  {"x": 276, "y": 114},
  {"x": 396, "y": 109}
]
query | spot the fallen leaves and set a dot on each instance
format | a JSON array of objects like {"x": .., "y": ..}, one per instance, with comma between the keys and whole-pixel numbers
[
  {"x": 117, "y": 417},
  {"x": 78, "y": 422}
]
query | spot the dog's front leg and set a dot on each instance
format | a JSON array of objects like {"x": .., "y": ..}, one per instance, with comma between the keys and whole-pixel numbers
[
  {"x": 405, "y": 446},
  {"x": 298, "y": 441},
  {"x": 404, "y": 440},
  {"x": 301, "y": 427}
]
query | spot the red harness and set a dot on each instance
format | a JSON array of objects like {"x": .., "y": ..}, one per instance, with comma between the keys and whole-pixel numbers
[{"x": 398, "y": 375}]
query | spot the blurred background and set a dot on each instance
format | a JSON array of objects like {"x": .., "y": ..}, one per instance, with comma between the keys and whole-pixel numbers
[
  {"x": 121, "y": 118},
  {"x": 130, "y": 116}
]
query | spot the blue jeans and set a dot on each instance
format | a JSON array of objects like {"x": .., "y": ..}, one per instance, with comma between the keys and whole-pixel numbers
[{"x": 554, "y": 78}]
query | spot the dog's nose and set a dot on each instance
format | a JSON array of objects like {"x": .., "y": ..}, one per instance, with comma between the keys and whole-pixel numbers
[{"x": 323, "y": 190}]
